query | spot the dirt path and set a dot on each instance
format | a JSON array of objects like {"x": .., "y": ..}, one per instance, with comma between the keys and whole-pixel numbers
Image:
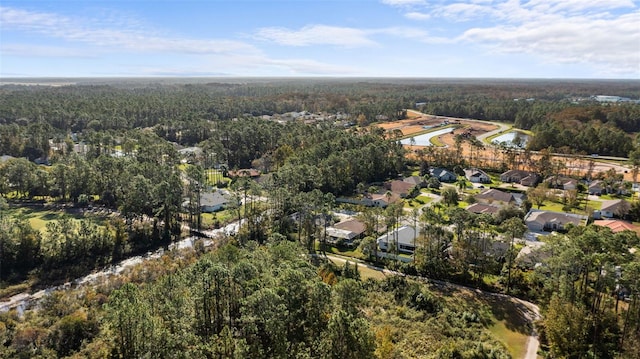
[
  {"x": 531, "y": 314},
  {"x": 532, "y": 343}
]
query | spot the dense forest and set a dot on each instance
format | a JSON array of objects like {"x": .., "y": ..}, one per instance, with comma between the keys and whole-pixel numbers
[
  {"x": 109, "y": 160},
  {"x": 182, "y": 108}
]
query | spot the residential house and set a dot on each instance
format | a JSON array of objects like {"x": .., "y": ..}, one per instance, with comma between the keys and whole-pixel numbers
[
  {"x": 401, "y": 188},
  {"x": 443, "y": 175},
  {"x": 481, "y": 208},
  {"x": 212, "y": 201},
  {"x": 406, "y": 236},
  {"x": 477, "y": 176},
  {"x": 597, "y": 188},
  {"x": 246, "y": 172},
  {"x": 533, "y": 254},
  {"x": 525, "y": 178},
  {"x": 546, "y": 221},
  {"x": 495, "y": 197},
  {"x": 345, "y": 232},
  {"x": 382, "y": 200},
  {"x": 416, "y": 181},
  {"x": 613, "y": 208},
  {"x": 617, "y": 225},
  {"x": 530, "y": 181},
  {"x": 561, "y": 182}
]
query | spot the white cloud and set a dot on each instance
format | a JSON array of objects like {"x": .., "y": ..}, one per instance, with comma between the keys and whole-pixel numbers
[
  {"x": 463, "y": 11},
  {"x": 43, "y": 51},
  {"x": 598, "y": 33},
  {"x": 613, "y": 42},
  {"x": 406, "y": 32},
  {"x": 316, "y": 35},
  {"x": 573, "y": 6},
  {"x": 403, "y": 2},
  {"x": 117, "y": 35},
  {"x": 118, "y": 38},
  {"x": 420, "y": 16},
  {"x": 305, "y": 66}
]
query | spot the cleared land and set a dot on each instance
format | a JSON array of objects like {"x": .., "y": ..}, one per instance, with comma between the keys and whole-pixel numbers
[
  {"x": 38, "y": 217},
  {"x": 416, "y": 122}
]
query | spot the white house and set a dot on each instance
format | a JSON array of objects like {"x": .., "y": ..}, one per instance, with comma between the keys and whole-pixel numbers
[
  {"x": 406, "y": 236},
  {"x": 547, "y": 221},
  {"x": 212, "y": 201},
  {"x": 477, "y": 176},
  {"x": 613, "y": 208}
]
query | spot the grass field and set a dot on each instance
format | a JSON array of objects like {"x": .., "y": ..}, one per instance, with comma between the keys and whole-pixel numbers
[
  {"x": 417, "y": 202},
  {"x": 222, "y": 217},
  {"x": 510, "y": 325},
  {"x": 365, "y": 272},
  {"x": 508, "y": 321},
  {"x": 38, "y": 218},
  {"x": 557, "y": 207}
]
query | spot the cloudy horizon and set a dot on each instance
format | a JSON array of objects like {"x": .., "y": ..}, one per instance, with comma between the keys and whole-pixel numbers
[{"x": 588, "y": 39}]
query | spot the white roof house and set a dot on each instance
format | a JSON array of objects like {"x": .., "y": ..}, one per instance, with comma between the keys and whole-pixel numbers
[
  {"x": 547, "y": 221},
  {"x": 406, "y": 236}
]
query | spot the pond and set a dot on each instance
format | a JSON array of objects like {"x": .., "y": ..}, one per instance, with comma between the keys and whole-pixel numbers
[
  {"x": 425, "y": 139},
  {"x": 520, "y": 139}
]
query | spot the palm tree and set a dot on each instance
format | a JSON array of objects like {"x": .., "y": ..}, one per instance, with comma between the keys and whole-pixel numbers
[{"x": 461, "y": 183}]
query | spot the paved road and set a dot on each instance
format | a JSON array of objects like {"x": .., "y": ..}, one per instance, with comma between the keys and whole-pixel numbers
[{"x": 501, "y": 128}]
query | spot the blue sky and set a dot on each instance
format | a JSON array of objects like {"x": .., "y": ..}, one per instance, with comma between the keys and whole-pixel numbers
[{"x": 346, "y": 38}]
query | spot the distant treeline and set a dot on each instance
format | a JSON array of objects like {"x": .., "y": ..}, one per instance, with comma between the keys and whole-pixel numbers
[{"x": 32, "y": 114}]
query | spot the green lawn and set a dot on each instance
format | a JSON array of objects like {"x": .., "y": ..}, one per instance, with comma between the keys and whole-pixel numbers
[
  {"x": 365, "y": 272},
  {"x": 216, "y": 175},
  {"x": 347, "y": 252},
  {"x": 509, "y": 325},
  {"x": 436, "y": 141},
  {"x": 38, "y": 218},
  {"x": 417, "y": 202},
  {"x": 492, "y": 137},
  {"x": 557, "y": 207},
  {"x": 222, "y": 217}
]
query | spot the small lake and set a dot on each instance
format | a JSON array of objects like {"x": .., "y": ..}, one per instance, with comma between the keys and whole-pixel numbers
[
  {"x": 509, "y": 137},
  {"x": 424, "y": 139}
]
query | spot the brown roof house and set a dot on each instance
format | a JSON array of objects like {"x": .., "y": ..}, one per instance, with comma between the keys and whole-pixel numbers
[
  {"x": 547, "y": 221},
  {"x": 495, "y": 197},
  {"x": 416, "y": 181},
  {"x": 561, "y": 182},
  {"x": 525, "y": 178},
  {"x": 401, "y": 188},
  {"x": 617, "y": 225},
  {"x": 245, "y": 172},
  {"x": 481, "y": 208},
  {"x": 372, "y": 199},
  {"x": 346, "y": 231}
]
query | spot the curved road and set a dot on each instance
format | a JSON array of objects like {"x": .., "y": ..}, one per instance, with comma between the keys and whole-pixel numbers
[
  {"x": 532, "y": 314},
  {"x": 501, "y": 126}
]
